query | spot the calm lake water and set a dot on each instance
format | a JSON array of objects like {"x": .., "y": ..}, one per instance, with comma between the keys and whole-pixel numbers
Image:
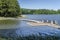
[{"x": 15, "y": 28}]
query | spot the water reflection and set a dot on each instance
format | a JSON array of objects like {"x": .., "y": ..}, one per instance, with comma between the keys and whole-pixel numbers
[
  {"x": 8, "y": 24},
  {"x": 14, "y": 28},
  {"x": 8, "y": 33}
]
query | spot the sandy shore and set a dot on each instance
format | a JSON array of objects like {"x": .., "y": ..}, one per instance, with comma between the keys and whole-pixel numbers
[
  {"x": 11, "y": 18},
  {"x": 37, "y": 24},
  {"x": 6, "y": 18},
  {"x": 43, "y": 24}
]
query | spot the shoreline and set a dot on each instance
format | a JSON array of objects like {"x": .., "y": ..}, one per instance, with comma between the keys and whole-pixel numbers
[
  {"x": 11, "y": 18},
  {"x": 43, "y": 24}
]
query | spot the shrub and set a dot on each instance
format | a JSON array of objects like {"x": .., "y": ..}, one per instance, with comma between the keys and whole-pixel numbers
[{"x": 9, "y": 8}]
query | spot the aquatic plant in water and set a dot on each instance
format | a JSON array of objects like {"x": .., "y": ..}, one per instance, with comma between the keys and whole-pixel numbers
[{"x": 32, "y": 37}]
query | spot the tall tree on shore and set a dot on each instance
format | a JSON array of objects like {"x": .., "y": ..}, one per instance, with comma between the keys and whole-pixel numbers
[{"x": 9, "y": 8}]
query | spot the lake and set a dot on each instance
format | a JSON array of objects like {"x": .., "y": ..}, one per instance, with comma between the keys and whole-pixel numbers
[{"x": 14, "y": 28}]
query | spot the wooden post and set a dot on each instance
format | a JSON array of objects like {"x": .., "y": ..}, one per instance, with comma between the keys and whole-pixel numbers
[
  {"x": 51, "y": 21},
  {"x": 56, "y": 22},
  {"x": 47, "y": 21},
  {"x": 42, "y": 21}
]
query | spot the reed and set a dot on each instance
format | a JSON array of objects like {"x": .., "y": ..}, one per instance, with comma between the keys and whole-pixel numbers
[{"x": 32, "y": 37}]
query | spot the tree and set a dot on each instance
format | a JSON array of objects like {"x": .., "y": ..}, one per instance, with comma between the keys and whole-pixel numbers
[
  {"x": 39, "y": 11},
  {"x": 9, "y": 8},
  {"x": 58, "y": 11}
]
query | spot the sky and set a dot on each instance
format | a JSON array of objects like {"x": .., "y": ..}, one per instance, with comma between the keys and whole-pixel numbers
[{"x": 40, "y": 4}]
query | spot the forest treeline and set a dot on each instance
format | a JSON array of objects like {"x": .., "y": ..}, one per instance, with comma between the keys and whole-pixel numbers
[
  {"x": 39, "y": 11},
  {"x": 9, "y": 8}
]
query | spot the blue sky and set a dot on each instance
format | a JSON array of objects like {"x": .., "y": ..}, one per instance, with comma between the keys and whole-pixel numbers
[{"x": 40, "y": 4}]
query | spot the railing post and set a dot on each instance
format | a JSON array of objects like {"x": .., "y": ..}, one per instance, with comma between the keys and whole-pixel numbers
[
  {"x": 42, "y": 21},
  {"x": 51, "y": 22},
  {"x": 47, "y": 21},
  {"x": 56, "y": 22}
]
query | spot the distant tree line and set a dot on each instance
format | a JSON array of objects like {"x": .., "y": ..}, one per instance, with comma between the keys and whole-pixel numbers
[
  {"x": 9, "y": 8},
  {"x": 39, "y": 11}
]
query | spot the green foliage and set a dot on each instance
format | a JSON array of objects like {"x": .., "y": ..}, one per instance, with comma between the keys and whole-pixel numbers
[
  {"x": 58, "y": 11},
  {"x": 39, "y": 11},
  {"x": 9, "y": 8}
]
